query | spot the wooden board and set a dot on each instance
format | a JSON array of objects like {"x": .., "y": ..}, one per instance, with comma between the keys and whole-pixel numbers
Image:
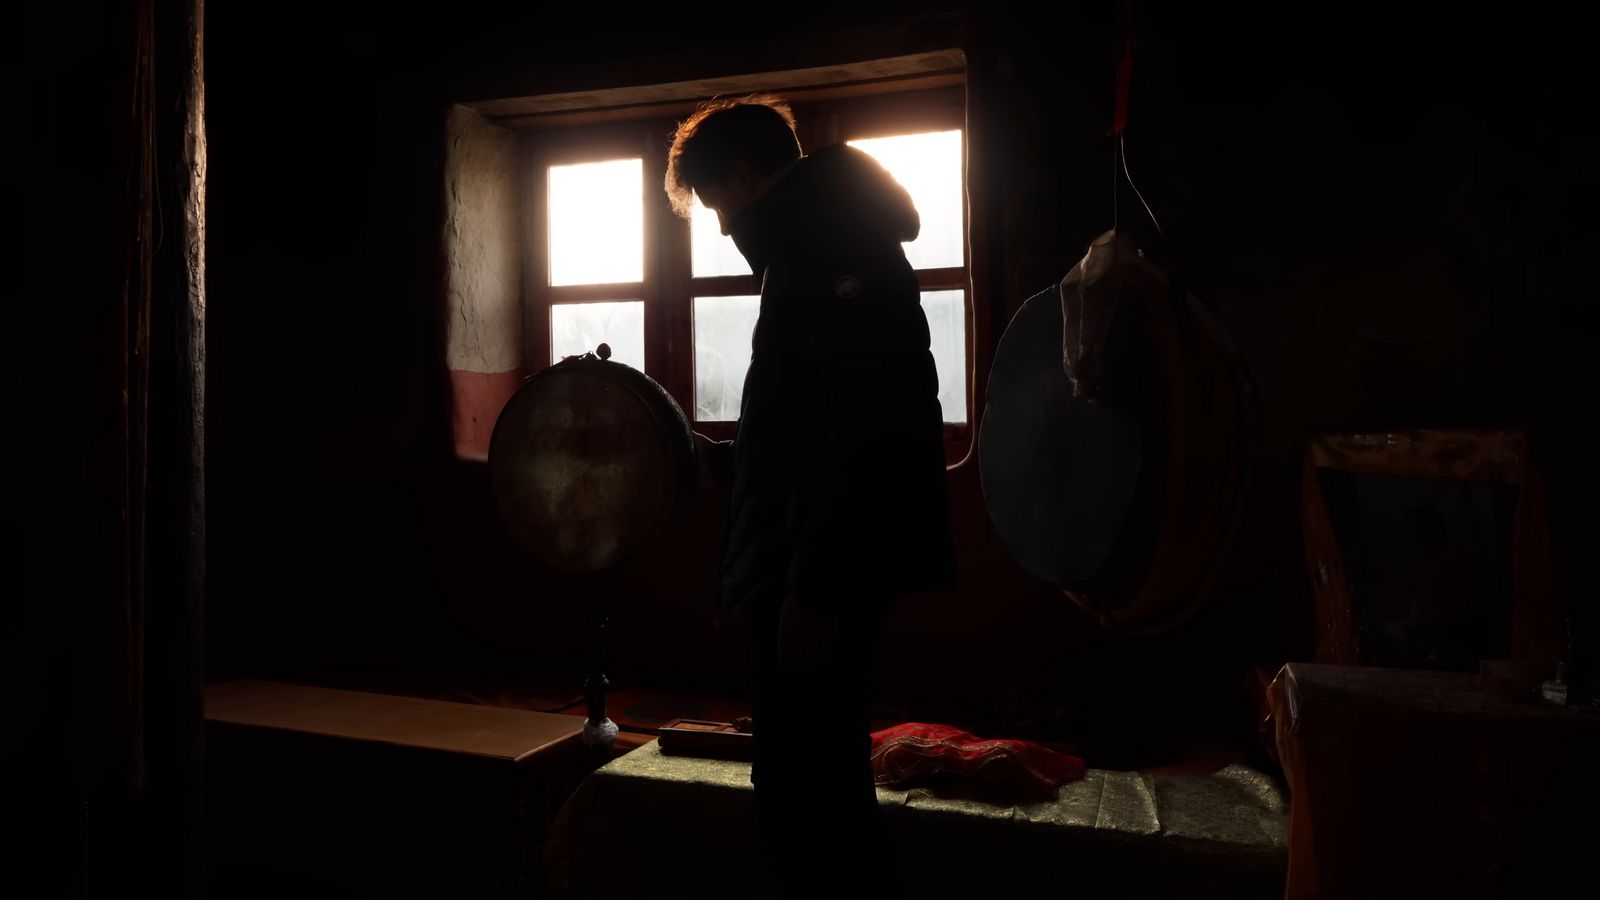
[
  {"x": 513, "y": 735},
  {"x": 935, "y": 68}
]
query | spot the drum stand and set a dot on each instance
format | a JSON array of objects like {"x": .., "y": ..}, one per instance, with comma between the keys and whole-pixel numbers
[{"x": 599, "y": 732}]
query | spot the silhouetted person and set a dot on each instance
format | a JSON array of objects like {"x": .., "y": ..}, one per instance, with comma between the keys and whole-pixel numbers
[{"x": 837, "y": 501}]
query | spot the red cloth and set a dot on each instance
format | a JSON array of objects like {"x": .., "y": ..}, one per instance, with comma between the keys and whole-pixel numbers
[{"x": 914, "y": 750}]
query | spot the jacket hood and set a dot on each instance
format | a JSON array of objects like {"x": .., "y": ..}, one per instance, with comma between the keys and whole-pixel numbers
[{"x": 837, "y": 201}]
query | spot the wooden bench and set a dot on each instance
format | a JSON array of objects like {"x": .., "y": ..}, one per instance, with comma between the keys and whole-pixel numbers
[{"x": 366, "y": 794}]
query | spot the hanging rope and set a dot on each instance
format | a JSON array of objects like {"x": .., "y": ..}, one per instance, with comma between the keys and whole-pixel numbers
[
  {"x": 1091, "y": 292},
  {"x": 1119, "y": 122}
]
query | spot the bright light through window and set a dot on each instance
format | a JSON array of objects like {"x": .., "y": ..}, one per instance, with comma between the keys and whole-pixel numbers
[
  {"x": 597, "y": 222},
  {"x": 723, "y": 327},
  {"x": 578, "y": 328},
  {"x": 722, "y": 330},
  {"x": 929, "y": 166},
  {"x": 947, "y": 328},
  {"x": 712, "y": 252}
]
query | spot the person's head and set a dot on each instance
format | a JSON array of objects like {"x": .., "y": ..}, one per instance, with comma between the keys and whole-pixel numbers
[{"x": 728, "y": 153}]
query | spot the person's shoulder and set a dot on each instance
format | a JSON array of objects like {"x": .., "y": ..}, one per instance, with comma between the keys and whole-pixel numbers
[{"x": 843, "y": 155}]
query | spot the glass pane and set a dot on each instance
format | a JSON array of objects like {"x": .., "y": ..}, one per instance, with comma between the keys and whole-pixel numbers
[
  {"x": 722, "y": 330},
  {"x": 929, "y": 166},
  {"x": 947, "y": 326},
  {"x": 714, "y": 253},
  {"x": 577, "y": 328},
  {"x": 597, "y": 222}
]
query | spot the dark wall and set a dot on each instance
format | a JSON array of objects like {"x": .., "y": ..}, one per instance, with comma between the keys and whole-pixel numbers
[
  {"x": 1380, "y": 205},
  {"x": 1385, "y": 205}
]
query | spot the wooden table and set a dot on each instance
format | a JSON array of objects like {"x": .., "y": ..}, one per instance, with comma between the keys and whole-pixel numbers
[
  {"x": 1418, "y": 784},
  {"x": 377, "y": 794}
]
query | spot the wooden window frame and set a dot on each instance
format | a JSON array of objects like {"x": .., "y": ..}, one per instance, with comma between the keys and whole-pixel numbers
[{"x": 668, "y": 289}]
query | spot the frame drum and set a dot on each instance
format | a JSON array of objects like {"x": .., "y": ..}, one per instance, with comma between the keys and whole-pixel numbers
[
  {"x": 1130, "y": 503},
  {"x": 588, "y": 462}
]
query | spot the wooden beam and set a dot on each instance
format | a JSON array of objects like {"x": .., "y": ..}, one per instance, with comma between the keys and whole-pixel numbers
[{"x": 905, "y": 73}]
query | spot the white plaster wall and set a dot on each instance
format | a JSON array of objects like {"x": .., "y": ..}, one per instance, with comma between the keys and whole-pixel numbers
[{"x": 482, "y": 248}]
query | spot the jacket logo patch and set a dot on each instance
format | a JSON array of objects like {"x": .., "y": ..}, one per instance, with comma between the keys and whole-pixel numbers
[{"x": 847, "y": 286}]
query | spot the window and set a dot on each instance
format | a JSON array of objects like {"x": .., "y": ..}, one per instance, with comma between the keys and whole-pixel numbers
[{"x": 608, "y": 261}]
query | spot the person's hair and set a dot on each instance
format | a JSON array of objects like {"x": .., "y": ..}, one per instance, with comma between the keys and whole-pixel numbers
[{"x": 757, "y": 129}]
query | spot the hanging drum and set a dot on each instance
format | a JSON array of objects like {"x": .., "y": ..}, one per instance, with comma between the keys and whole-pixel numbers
[
  {"x": 1114, "y": 446},
  {"x": 588, "y": 462}
]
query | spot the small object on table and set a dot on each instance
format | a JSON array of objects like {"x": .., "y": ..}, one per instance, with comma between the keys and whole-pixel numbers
[
  {"x": 717, "y": 740},
  {"x": 1508, "y": 679},
  {"x": 912, "y": 752},
  {"x": 1553, "y": 692}
]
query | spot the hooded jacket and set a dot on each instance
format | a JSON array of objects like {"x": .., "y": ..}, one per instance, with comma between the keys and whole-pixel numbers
[{"x": 838, "y": 478}]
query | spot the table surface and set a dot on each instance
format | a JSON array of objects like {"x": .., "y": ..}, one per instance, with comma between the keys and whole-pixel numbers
[
  {"x": 1414, "y": 690},
  {"x": 649, "y": 815},
  {"x": 1236, "y": 806},
  {"x": 512, "y": 735}
]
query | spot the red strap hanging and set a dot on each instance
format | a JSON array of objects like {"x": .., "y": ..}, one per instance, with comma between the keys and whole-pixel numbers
[{"x": 1119, "y": 116}]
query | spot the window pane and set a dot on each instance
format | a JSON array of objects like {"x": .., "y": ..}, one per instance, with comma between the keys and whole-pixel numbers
[
  {"x": 714, "y": 253},
  {"x": 929, "y": 166},
  {"x": 597, "y": 222},
  {"x": 577, "y": 328},
  {"x": 947, "y": 326},
  {"x": 722, "y": 330}
]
